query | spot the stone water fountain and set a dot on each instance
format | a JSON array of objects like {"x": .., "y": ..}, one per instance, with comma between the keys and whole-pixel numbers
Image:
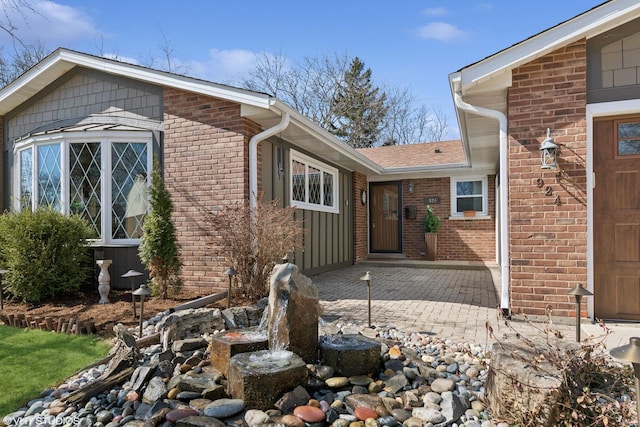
[{"x": 263, "y": 363}]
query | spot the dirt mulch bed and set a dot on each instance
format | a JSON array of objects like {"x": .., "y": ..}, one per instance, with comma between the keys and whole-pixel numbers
[{"x": 85, "y": 308}]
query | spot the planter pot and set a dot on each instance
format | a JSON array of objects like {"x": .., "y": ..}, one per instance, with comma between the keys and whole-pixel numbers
[{"x": 431, "y": 243}]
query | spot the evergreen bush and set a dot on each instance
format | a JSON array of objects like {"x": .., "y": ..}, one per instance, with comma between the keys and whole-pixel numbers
[
  {"x": 44, "y": 252},
  {"x": 159, "y": 250}
]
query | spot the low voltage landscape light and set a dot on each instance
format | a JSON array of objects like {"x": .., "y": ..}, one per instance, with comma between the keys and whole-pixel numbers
[
  {"x": 132, "y": 274},
  {"x": 230, "y": 272},
  {"x": 631, "y": 353},
  {"x": 142, "y": 292},
  {"x": 367, "y": 277},
  {"x": 579, "y": 291}
]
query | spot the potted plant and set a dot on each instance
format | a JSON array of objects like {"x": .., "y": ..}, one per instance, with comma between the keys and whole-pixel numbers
[{"x": 431, "y": 227}]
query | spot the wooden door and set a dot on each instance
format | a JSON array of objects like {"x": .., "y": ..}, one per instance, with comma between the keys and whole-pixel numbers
[
  {"x": 385, "y": 217},
  {"x": 616, "y": 218}
]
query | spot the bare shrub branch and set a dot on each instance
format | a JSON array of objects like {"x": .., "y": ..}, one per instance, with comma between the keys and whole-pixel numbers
[{"x": 253, "y": 251}]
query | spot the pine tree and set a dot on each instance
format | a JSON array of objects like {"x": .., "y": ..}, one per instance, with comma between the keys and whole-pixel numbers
[
  {"x": 358, "y": 108},
  {"x": 159, "y": 250}
]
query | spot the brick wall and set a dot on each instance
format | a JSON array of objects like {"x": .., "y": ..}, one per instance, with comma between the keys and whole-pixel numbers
[
  {"x": 206, "y": 168},
  {"x": 458, "y": 240},
  {"x": 547, "y": 245},
  {"x": 361, "y": 218}
]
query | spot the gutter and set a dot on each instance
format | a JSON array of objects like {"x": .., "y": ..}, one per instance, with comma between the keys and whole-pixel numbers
[
  {"x": 253, "y": 156},
  {"x": 504, "y": 193}
]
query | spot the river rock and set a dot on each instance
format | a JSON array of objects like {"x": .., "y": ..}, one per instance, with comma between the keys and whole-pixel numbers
[
  {"x": 223, "y": 408},
  {"x": 156, "y": 389},
  {"x": 199, "y": 421},
  {"x": 429, "y": 415},
  {"x": 309, "y": 414},
  {"x": 440, "y": 385}
]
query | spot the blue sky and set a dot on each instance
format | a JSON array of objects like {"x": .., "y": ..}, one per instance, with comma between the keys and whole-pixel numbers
[{"x": 407, "y": 43}]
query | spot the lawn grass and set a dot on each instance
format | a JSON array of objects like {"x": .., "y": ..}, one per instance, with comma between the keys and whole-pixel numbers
[{"x": 33, "y": 360}]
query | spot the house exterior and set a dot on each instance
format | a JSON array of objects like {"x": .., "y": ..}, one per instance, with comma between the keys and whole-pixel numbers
[
  {"x": 578, "y": 223},
  {"x": 82, "y": 133}
]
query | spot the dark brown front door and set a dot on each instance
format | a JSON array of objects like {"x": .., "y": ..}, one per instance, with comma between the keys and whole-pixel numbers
[
  {"x": 385, "y": 217},
  {"x": 616, "y": 218}
]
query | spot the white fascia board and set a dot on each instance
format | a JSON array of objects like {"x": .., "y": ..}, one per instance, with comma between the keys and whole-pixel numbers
[
  {"x": 593, "y": 22},
  {"x": 325, "y": 137}
]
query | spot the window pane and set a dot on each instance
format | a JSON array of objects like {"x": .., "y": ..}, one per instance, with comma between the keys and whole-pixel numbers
[
  {"x": 469, "y": 188},
  {"x": 128, "y": 189},
  {"x": 314, "y": 185},
  {"x": 298, "y": 181},
  {"x": 469, "y": 204},
  {"x": 26, "y": 178},
  {"x": 49, "y": 176},
  {"x": 327, "y": 184},
  {"x": 85, "y": 183},
  {"x": 628, "y": 139}
]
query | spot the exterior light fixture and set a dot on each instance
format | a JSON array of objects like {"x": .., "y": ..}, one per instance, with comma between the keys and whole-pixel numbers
[
  {"x": 230, "y": 272},
  {"x": 2, "y": 272},
  {"x": 363, "y": 197},
  {"x": 631, "y": 353},
  {"x": 367, "y": 278},
  {"x": 142, "y": 292},
  {"x": 578, "y": 292},
  {"x": 549, "y": 151},
  {"x": 411, "y": 187},
  {"x": 132, "y": 274}
]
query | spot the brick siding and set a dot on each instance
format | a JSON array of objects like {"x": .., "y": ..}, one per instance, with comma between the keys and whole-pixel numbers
[
  {"x": 458, "y": 240},
  {"x": 205, "y": 168},
  {"x": 361, "y": 218},
  {"x": 548, "y": 241}
]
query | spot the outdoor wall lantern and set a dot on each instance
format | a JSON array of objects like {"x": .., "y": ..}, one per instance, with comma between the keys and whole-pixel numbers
[
  {"x": 549, "y": 152},
  {"x": 363, "y": 197},
  {"x": 578, "y": 292},
  {"x": 142, "y": 292},
  {"x": 367, "y": 278},
  {"x": 132, "y": 274},
  {"x": 2, "y": 272},
  {"x": 411, "y": 187},
  {"x": 631, "y": 353},
  {"x": 230, "y": 272}
]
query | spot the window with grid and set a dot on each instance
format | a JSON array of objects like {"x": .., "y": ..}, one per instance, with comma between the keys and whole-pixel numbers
[
  {"x": 101, "y": 176},
  {"x": 469, "y": 194},
  {"x": 313, "y": 184}
]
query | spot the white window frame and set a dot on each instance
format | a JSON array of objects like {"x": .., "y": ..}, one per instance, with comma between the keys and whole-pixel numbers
[
  {"x": 323, "y": 168},
  {"x": 485, "y": 195},
  {"x": 106, "y": 139}
]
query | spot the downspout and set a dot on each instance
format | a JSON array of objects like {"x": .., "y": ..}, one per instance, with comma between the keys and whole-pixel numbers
[
  {"x": 504, "y": 194},
  {"x": 253, "y": 156}
]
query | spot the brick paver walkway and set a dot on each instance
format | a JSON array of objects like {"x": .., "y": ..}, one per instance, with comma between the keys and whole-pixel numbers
[{"x": 447, "y": 302}]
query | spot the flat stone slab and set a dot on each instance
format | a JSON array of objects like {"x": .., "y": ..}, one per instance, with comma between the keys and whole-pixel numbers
[
  {"x": 351, "y": 354},
  {"x": 261, "y": 377},
  {"x": 227, "y": 344}
]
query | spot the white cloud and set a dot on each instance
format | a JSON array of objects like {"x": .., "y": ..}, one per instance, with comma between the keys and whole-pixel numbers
[
  {"x": 53, "y": 23},
  {"x": 435, "y": 11},
  {"x": 227, "y": 65},
  {"x": 441, "y": 31}
]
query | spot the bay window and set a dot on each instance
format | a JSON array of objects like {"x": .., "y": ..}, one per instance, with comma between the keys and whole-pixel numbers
[{"x": 102, "y": 176}]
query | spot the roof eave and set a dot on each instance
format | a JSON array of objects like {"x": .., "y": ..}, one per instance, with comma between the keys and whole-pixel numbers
[{"x": 62, "y": 60}]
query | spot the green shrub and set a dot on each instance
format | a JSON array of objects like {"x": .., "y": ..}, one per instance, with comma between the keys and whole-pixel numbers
[
  {"x": 44, "y": 252},
  {"x": 431, "y": 221}
]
